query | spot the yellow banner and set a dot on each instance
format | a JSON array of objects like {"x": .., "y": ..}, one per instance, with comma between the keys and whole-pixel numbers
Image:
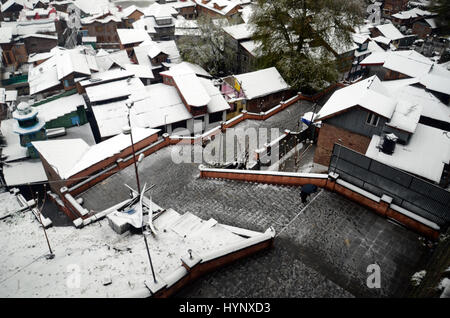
[{"x": 237, "y": 86}]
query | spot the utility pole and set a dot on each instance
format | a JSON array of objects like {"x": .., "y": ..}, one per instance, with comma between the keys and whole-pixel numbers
[
  {"x": 129, "y": 106},
  {"x": 51, "y": 255}
]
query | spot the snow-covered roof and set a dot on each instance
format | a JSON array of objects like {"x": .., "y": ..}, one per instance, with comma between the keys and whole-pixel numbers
[
  {"x": 60, "y": 107},
  {"x": 224, "y": 6},
  {"x": 162, "y": 105},
  {"x": 140, "y": 71},
  {"x": 103, "y": 254},
  {"x": 261, "y": 83},
  {"x": 43, "y": 76},
  {"x": 376, "y": 58},
  {"x": 93, "y": 7},
  {"x": 107, "y": 76},
  {"x": 44, "y": 56},
  {"x": 24, "y": 172},
  {"x": 411, "y": 14},
  {"x": 432, "y": 23},
  {"x": 112, "y": 90},
  {"x": 239, "y": 31},
  {"x": 369, "y": 94},
  {"x": 432, "y": 107},
  {"x": 437, "y": 79},
  {"x": 425, "y": 155},
  {"x": 145, "y": 23},
  {"x": 6, "y": 35},
  {"x": 406, "y": 116},
  {"x": 252, "y": 47},
  {"x": 160, "y": 11},
  {"x": 69, "y": 62},
  {"x": 217, "y": 102},
  {"x": 129, "y": 36},
  {"x": 131, "y": 9},
  {"x": 410, "y": 63},
  {"x": 191, "y": 88},
  {"x": 189, "y": 67},
  {"x": 382, "y": 39},
  {"x": 390, "y": 31},
  {"x": 71, "y": 156},
  {"x": 106, "y": 60}
]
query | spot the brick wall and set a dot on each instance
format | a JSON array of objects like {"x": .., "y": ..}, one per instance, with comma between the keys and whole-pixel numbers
[{"x": 329, "y": 135}]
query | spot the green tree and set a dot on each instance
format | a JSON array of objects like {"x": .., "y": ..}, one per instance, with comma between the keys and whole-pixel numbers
[
  {"x": 442, "y": 8},
  {"x": 209, "y": 48},
  {"x": 302, "y": 38}
]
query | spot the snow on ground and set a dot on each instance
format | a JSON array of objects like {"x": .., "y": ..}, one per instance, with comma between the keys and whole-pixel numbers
[{"x": 91, "y": 256}]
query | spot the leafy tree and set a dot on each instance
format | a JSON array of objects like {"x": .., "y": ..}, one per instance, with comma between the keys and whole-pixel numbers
[
  {"x": 209, "y": 49},
  {"x": 302, "y": 38},
  {"x": 442, "y": 8}
]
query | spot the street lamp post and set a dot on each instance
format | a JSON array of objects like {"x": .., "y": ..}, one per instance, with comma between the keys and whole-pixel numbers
[{"x": 129, "y": 106}]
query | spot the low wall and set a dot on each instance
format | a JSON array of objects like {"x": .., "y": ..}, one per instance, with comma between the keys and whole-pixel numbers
[{"x": 381, "y": 206}]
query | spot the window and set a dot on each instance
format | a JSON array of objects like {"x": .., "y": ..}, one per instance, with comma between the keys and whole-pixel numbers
[{"x": 372, "y": 120}]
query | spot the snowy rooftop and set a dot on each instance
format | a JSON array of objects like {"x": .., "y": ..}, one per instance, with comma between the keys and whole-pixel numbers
[
  {"x": 411, "y": 14},
  {"x": 252, "y": 47},
  {"x": 106, "y": 61},
  {"x": 24, "y": 172},
  {"x": 390, "y": 31},
  {"x": 369, "y": 94},
  {"x": 72, "y": 156},
  {"x": 160, "y": 11},
  {"x": 421, "y": 156},
  {"x": 406, "y": 116},
  {"x": 140, "y": 71},
  {"x": 437, "y": 79},
  {"x": 432, "y": 107},
  {"x": 409, "y": 62},
  {"x": 129, "y": 36},
  {"x": 112, "y": 90},
  {"x": 191, "y": 88},
  {"x": 107, "y": 76},
  {"x": 162, "y": 105},
  {"x": 239, "y": 31},
  {"x": 261, "y": 83},
  {"x": 110, "y": 265},
  {"x": 60, "y": 107}
]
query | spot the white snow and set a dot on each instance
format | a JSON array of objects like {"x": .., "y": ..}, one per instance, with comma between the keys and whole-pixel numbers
[
  {"x": 425, "y": 155},
  {"x": 191, "y": 89},
  {"x": 261, "y": 83},
  {"x": 406, "y": 116},
  {"x": 71, "y": 156},
  {"x": 24, "y": 172},
  {"x": 59, "y": 107},
  {"x": 96, "y": 253},
  {"x": 437, "y": 79},
  {"x": 432, "y": 107},
  {"x": 390, "y": 31},
  {"x": 369, "y": 94},
  {"x": 130, "y": 36},
  {"x": 239, "y": 31}
]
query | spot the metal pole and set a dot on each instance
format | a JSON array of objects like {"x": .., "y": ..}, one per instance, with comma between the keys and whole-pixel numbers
[
  {"x": 134, "y": 154},
  {"x": 36, "y": 197},
  {"x": 139, "y": 191},
  {"x": 148, "y": 253}
]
